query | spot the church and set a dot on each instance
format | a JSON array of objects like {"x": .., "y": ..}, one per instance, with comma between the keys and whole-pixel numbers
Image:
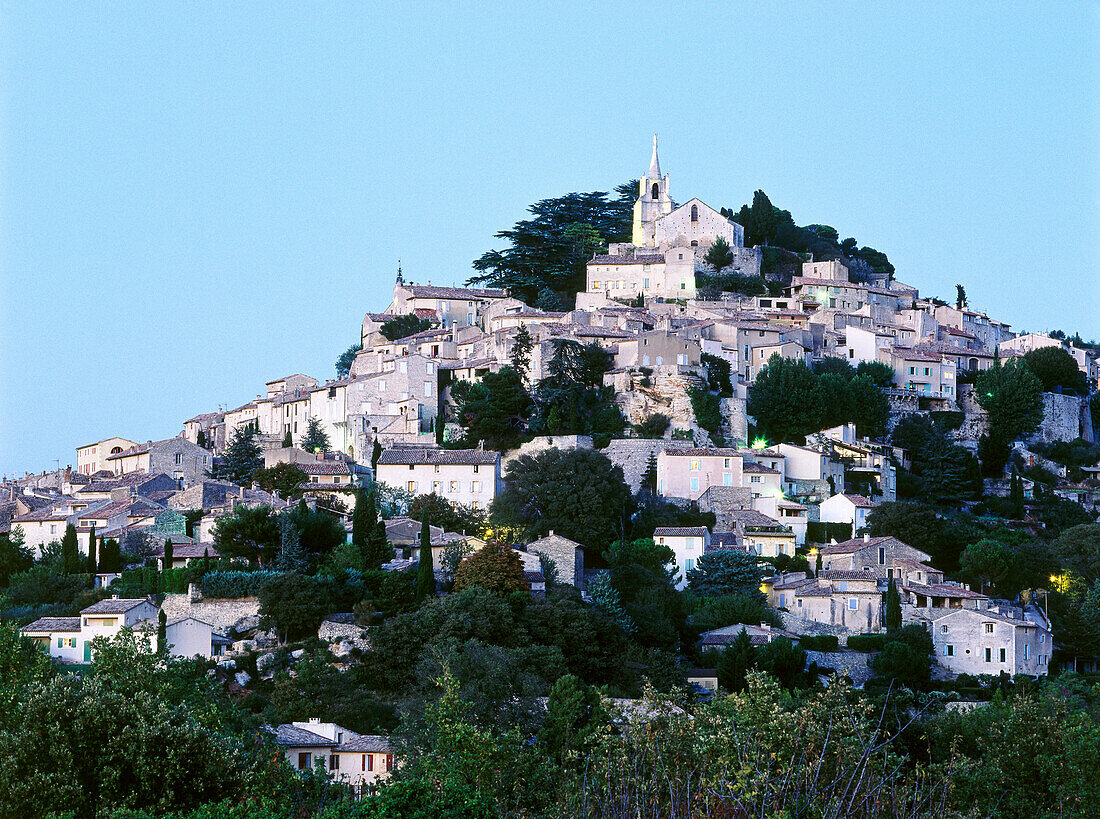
[{"x": 668, "y": 243}]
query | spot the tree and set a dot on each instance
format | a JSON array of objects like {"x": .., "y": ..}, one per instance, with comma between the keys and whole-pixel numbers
[
  {"x": 960, "y": 297},
  {"x": 110, "y": 559},
  {"x": 93, "y": 564},
  {"x": 571, "y": 398},
  {"x": 604, "y": 596},
  {"x": 580, "y": 494},
  {"x": 1079, "y": 548},
  {"x": 574, "y": 714},
  {"x": 881, "y": 375},
  {"x": 168, "y": 556},
  {"x": 200, "y": 439},
  {"x": 70, "y": 551},
  {"x": 520, "y": 355},
  {"x": 162, "y": 632},
  {"x": 294, "y": 605},
  {"x": 718, "y": 375},
  {"x": 284, "y": 478},
  {"x": 495, "y": 409},
  {"x": 404, "y": 326},
  {"x": 316, "y": 439},
  {"x": 726, "y": 571},
  {"x": 363, "y": 519},
  {"x": 1016, "y": 496},
  {"x": 719, "y": 255},
  {"x": 869, "y": 407},
  {"x": 893, "y": 607},
  {"x": 378, "y": 549},
  {"x": 783, "y": 660},
  {"x": 425, "y": 572},
  {"x": 319, "y": 531},
  {"x": 14, "y": 557},
  {"x": 495, "y": 567},
  {"x": 288, "y": 439},
  {"x": 292, "y": 557},
  {"x": 736, "y": 660},
  {"x": 375, "y": 454},
  {"x": 762, "y": 220},
  {"x": 1011, "y": 394},
  {"x": 988, "y": 562},
  {"x": 549, "y": 251},
  {"x": 240, "y": 459},
  {"x": 649, "y": 478},
  {"x": 779, "y": 399},
  {"x": 249, "y": 533},
  {"x": 448, "y": 515},
  {"x": 346, "y": 359},
  {"x": 1057, "y": 370}
]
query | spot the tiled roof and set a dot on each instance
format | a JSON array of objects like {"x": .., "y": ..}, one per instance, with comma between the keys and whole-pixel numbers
[
  {"x": 751, "y": 519},
  {"x": 325, "y": 468},
  {"x": 759, "y": 469},
  {"x": 855, "y": 544},
  {"x": 290, "y": 735},
  {"x": 943, "y": 590},
  {"x": 697, "y": 452},
  {"x": 653, "y": 259},
  {"x": 861, "y": 502},
  {"x": 680, "y": 531},
  {"x": 43, "y": 624},
  {"x": 428, "y": 292},
  {"x": 447, "y": 457},
  {"x": 916, "y": 355},
  {"x": 189, "y": 551},
  {"x": 848, "y": 575},
  {"x": 114, "y": 606},
  {"x": 368, "y": 743}
]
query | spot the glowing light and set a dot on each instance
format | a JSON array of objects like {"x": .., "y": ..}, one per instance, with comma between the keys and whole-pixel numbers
[
  {"x": 760, "y": 443},
  {"x": 1060, "y": 582}
]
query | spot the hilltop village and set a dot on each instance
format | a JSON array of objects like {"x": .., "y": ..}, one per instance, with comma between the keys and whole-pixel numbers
[{"x": 735, "y": 455}]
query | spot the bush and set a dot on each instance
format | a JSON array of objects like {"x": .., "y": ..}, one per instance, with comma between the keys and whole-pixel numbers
[
  {"x": 819, "y": 642},
  {"x": 946, "y": 420},
  {"x": 236, "y": 584},
  {"x": 818, "y": 532},
  {"x": 652, "y": 427},
  {"x": 867, "y": 642}
]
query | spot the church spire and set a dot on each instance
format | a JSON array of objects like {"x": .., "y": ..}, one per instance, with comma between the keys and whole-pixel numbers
[
  {"x": 400, "y": 278},
  {"x": 654, "y": 166}
]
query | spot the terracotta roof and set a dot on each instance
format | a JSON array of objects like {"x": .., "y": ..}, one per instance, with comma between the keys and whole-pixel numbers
[
  {"x": 424, "y": 455},
  {"x": 861, "y": 502},
  {"x": 759, "y": 469},
  {"x": 751, "y": 519}
]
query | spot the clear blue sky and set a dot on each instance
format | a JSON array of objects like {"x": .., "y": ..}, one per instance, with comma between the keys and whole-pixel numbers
[{"x": 197, "y": 198}]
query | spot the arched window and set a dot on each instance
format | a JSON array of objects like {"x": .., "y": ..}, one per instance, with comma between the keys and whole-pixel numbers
[
  {"x": 116, "y": 450},
  {"x": 656, "y": 192},
  {"x": 694, "y": 243},
  {"x": 973, "y": 364},
  {"x": 695, "y": 213}
]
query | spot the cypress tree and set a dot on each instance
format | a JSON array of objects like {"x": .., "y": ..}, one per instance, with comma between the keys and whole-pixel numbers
[
  {"x": 649, "y": 480},
  {"x": 162, "y": 632},
  {"x": 817, "y": 564},
  {"x": 92, "y": 564},
  {"x": 200, "y": 439},
  {"x": 109, "y": 558},
  {"x": 363, "y": 519},
  {"x": 70, "y": 551},
  {"x": 893, "y": 608},
  {"x": 376, "y": 453},
  {"x": 378, "y": 549},
  {"x": 288, "y": 441},
  {"x": 168, "y": 553},
  {"x": 425, "y": 572}
]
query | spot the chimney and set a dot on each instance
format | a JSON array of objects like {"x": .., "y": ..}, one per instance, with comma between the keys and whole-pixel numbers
[
  {"x": 551, "y": 533},
  {"x": 866, "y": 537}
]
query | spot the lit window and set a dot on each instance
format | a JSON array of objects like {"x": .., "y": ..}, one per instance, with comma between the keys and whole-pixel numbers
[{"x": 411, "y": 486}]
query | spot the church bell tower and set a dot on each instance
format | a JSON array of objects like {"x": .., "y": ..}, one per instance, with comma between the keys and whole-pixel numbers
[{"x": 653, "y": 202}]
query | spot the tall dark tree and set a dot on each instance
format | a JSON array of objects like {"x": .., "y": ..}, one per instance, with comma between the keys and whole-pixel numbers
[
  {"x": 14, "y": 557},
  {"x": 719, "y": 256},
  {"x": 346, "y": 359},
  {"x": 893, "y": 607},
  {"x": 363, "y": 519},
  {"x": 110, "y": 559},
  {"x": 316, "y": 439},
  {"x": 494, "y": 410},
  {"x": 168, "y": 553},
  {"x": 1012, "y": 395},
  {"x": 762, "y": 219},
  {"x": 425, "y": 571},
  {"x": 735, "y": 661},
  {"x": 162, "y": 632},
  {"x": 252, "y": 534},
  {"x": 1057, "y": 370},
  {"x": 520, "y": 356},
  {"x": 649, "y": 478},
  {"x": 288, "y": 440},
  {"x": 780, "y": 397},
  {"x": 960, "y": 297},
  {"x": 378, "y": 549},
  {"x": 375, "y": 454},
  {"x": 1016, "y": 496},
  {"x": 241, "y": 457},
  {"x": 200, "y": 439},
  {"x": 70, "y": 551},
  {"x": 549, "y": 251},
  {"x": 93, "y": 562}
]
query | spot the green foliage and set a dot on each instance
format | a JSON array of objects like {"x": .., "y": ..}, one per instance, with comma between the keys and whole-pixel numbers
[
  {"x": 580, "y": 494},
  {"x": 520, "y": 355},
  {"x": 726, "y": 571},
  {"x": 941, "y": 535},
  {"x": 293, "y": 605},
  {"x": 495, "y": 567},
  {"x": 346, "y": 359},
  {"x": 818, "y": 532},
  {"x": 283, "y": 478},
  {"x": 1056, "y": 370},
  {"x": 706, "y": 409},
  {"x": 70, "y": 552},
  {"x": 574, "y": 715},
  {"x": 1078, "y": 547},
  {"x": 404, "y": 326},
  {"x": 315, "y": 439},
  {"x": 866, "y": 642},
  {"x": 941, "y": 471},
  {"x": 605, "y": 597},
  {"x": 549, "y": 251},
  {"x": 719, "y": 255},
  {"x": 234, "y": 585},
  {"x": 718, "y": 375},
  {"x": 1012, "y": 395},
  {"x": 288, "y": 439},
  {"x": 240, "y": 459},
  {"x": 784, "y": 660},
  {"x": 711, "y": 287},
  {"x": 292, "y": 557},
  {"x": 425, "y": 572},
  {"x": 652, "y": 427},
  {"x": 735, "y": 662},
  {"x": 986, "y": 563},
  {"x": 893, "y": 607},
  {"x": 495, "y": 409},
  {"x": 571, "y": 398},
  {"x": 249, "y": 533},
  {"x": 318, "y": 531},
  {"x": 14, "y": 558},
  {"x": 819, "y": 642},
  {"x": 719, "y": 611}
]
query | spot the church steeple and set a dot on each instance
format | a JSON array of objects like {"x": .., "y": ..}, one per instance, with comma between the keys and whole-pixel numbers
[
  {"x": 400, "y": 278},
  {"x": 654, "y": 164}
]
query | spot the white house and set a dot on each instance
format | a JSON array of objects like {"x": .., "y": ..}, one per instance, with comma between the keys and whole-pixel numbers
[
  {"x": 689, "y": 543},
  {"x": 990, "y": 641},
  {"x": 852, "y": 509},
  {"x": 467, "y": 476},
  {"x": 360, "y": 760}
]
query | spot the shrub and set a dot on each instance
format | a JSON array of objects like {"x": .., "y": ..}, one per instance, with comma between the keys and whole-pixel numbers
[
  {"x": 236, "y": 584},
  {"x": 866, "y": 642},
  {"x": 653, "y": 427},
  {"x": 819, "y": 642}
]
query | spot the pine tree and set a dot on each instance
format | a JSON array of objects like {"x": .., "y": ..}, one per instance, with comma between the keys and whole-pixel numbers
[
  {"x": 200, "y": 439},
  {"x": 162, "y": 632},
  {"x": 363, "y": 518},
  {"x": 520, "y": 356},
  {"x": 893, "y": 608},
  {"x": 817, "y": 564},
  {"x": 92, "y": 563},
  {"x": 719, "y": 256},
  {"x": 292, "y": 557},
  {"x": 378, "y": 549},
  {"x": 738, "y": 658},
  {"x": 288, "y": 441},
  {"x": 70, "y": 551},
  {"x": 605, "y": 597},
  {"x": 316, "y": 439},
  {"x": 425, "y": 571},
  {"x": 241, "y": 457}
]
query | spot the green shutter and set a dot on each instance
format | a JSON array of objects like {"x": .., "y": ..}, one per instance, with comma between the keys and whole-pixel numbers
[{"x": 59, "y": 641}]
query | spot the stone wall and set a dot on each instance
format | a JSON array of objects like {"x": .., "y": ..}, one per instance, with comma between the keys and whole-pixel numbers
[
  {"x": 224, "y": 615},
  {"x": 632, "y": 454},
  {"x": 851, "y": 664},
  {"x": 722, "y": 500},
  {"x": 1061, "y": 418},
  {"x": 735, "y": 419}
]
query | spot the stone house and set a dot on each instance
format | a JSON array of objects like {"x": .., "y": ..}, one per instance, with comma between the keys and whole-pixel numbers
[
  {"x": 851, "y": 599},
  {"x": 761, "y": 535},
  {"x": 69, "y": 639},
  {"x": 567, "y": 555},
  {"x": 990, "y": 332},
  {"x": 91, "y": 458},
  {"x": 994, "y": 640},
  {"x": 184, "y": 461},
  {"x": 467, "y": 476},
  {"x": 688, "y": 472},
  {"x": 656, "y": 348},
  {"x": 454, "y": 306}
]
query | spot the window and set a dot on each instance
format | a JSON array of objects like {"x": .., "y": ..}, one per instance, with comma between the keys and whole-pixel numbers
[
  {"x": 694, "y": 484},
  {"x": 989, "y": 655},
  {"x": 475, "y": 468},
  {"x": 437, "y": 468},
  {"x": 695, "y": 213},
  {"x": 882, "y": 555},
  {"x": 381, "y": 385},
  {"x": 1042, "y": 638},
  {"x": 596, "y": 284},
  {"x": 949, "y": 651},
  {"x": 1042, "y": 659},
  {"x": 988, "y": 628},
  {"x": 1002, "y": 655},
  {"x": 800, "y": 602},
  {"x": 755, "y": 479},
  {"x": 1027, "y": 651},
  {"x": 368, "y": 759},
  {"x": 912, "y": 371},
  {"x": 428, "y": 388},
  {"x": 389, "y": 762},
  {"x": 304, "y": 762},
  {"x": 689, "y": 564},
  {"x": 436, "y": 487},
  {"x": 655, "y": 192},
  {"x": 179, "y": 458},
  {"x": 334, "y": 762},
  {"x": 943, "y": 629},
  {"x": 411, "y": 486},
  {"x": 727, "y": 479},
  {"x": 475, "y": 505},
  {"x": 53, "y": 529},
  {"x": 853, "y": 604},
  {"x": 454, "y": 486},
  {"x": 927, "y": 371},
  {"x": 475, "y": 486}
]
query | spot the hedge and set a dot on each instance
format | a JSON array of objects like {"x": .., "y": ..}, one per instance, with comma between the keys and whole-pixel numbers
[
  {"x": 235, "y": 584},
  {"x": 867, "y": 642},
  {"x": 818, "y": 532},
  {"x": 819, "y": 642}
]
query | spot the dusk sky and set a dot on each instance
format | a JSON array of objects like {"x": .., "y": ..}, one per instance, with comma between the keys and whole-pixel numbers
[{"x": 198, "y": 199}]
